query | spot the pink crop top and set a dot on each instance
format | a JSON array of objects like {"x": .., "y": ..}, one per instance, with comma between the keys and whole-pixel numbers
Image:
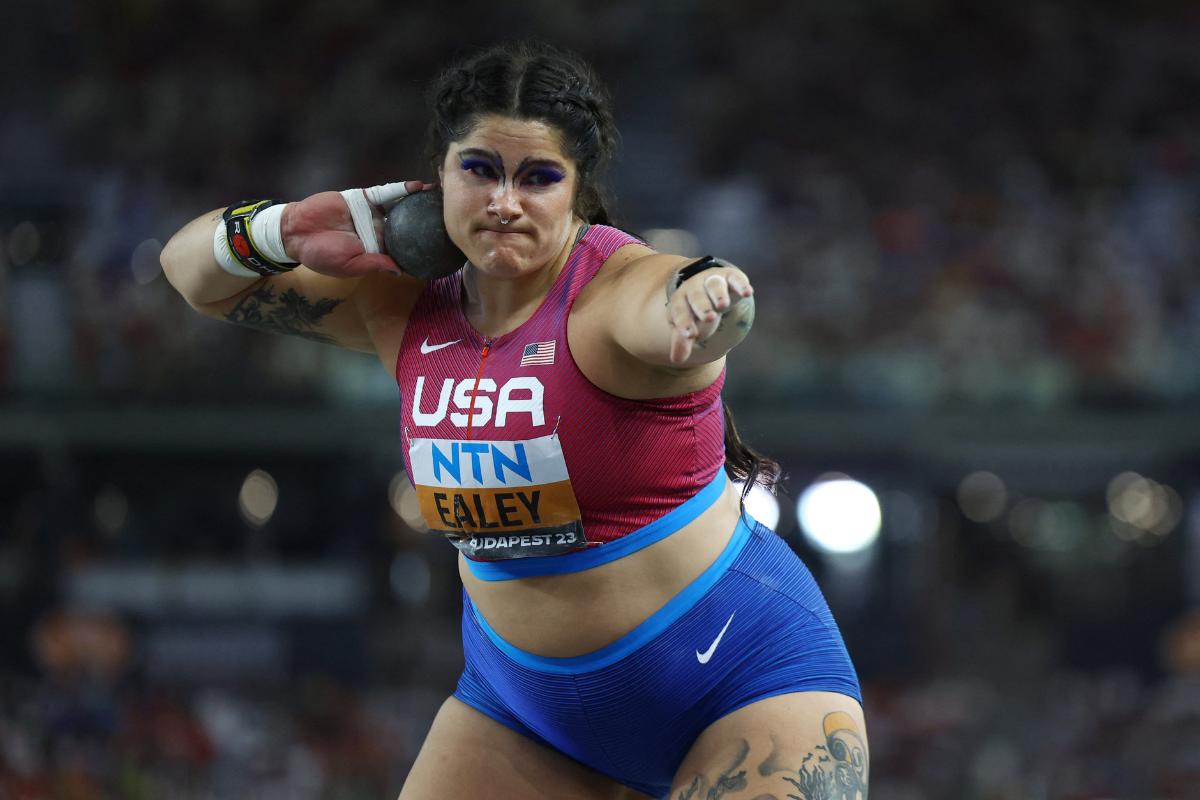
[{"x": 517, "y": 457}]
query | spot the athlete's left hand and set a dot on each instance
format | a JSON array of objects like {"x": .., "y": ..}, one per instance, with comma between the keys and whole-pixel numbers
[{"x": 697, "y": 308}]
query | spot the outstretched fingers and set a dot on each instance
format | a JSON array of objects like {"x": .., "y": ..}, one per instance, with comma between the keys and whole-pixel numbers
[
  {"x": 683, "y": 329},
  {"x": 698, "y": 306}
]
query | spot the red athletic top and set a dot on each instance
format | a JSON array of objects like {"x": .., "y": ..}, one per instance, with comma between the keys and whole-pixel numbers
[{"x": 515, "y": 453}]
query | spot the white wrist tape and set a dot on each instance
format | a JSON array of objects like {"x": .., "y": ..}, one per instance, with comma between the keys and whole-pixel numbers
[
  {"x": 359, "y": 202},
  {"x": 266, "y": 229},
  {"x": 224, "y": 255}
]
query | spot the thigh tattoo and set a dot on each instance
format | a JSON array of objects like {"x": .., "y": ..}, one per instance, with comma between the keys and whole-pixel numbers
[{"x": 835, "y": 770}]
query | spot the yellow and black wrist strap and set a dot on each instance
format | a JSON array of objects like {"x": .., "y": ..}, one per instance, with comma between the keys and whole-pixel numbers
[{"x": 241, "y": 243}]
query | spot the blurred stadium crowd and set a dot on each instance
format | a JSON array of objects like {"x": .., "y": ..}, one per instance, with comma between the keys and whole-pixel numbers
[
  {"x": 1104, "y": 735},
  {"x": 943, "y": 202},
  {"x": 980, "y": 206}
]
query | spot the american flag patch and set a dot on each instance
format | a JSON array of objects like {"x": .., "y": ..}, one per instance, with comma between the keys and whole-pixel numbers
[{"x": 538, "y": 353}]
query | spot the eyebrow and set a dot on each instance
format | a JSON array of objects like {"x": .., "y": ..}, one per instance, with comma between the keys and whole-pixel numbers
[{"x": 495, "y": 157}]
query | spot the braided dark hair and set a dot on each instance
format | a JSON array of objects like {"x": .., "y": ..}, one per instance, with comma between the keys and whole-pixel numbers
[{"x": 532, "y": 81}]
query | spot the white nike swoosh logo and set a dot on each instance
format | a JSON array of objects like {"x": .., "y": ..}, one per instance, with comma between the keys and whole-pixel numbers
[
  {"x": 427, "y": 348},
  {"x": 712, "y": 648}
]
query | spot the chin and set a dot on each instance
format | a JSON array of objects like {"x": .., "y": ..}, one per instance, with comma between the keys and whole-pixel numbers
[{"x": 500, "y": 263}]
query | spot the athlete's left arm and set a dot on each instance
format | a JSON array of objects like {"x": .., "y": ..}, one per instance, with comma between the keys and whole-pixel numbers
[{"x": 665, "y": 322}]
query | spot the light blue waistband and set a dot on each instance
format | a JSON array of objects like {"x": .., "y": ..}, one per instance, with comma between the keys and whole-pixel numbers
[
  {"x": 658, "y": 622},
  {"x": 644, "y": 536}
]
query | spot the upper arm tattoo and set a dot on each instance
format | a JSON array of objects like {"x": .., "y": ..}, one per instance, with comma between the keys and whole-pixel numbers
[{"x": 289, "y": 313}]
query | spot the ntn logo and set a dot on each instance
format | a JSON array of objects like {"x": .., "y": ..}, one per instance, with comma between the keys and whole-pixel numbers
[
  {"x": 448, "y": 460},
  {"x": 482, "y": 463}
]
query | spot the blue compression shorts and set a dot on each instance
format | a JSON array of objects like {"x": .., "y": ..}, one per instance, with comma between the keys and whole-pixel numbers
[{"x": 751, "y": 626}]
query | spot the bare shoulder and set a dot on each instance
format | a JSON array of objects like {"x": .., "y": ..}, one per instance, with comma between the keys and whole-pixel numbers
[
  {"x": 594, "y": 304},
  {"x": 629, "y": 287},
  {"x": 634, "y": 262}
]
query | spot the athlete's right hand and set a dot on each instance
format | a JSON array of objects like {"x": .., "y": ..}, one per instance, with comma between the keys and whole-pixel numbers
[{"x": 318, "y": 231}]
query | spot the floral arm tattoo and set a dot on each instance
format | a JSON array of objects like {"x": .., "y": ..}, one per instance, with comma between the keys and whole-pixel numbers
[{"x": 289, "y": 313}]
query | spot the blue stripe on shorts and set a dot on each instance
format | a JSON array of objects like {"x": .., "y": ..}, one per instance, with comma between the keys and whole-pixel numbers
[{"x": 632, "y": 709}]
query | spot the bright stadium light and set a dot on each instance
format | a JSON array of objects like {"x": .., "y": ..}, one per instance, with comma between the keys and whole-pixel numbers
[
  {"x": 761, "y": 504},
  {"x": 839, "y": 515}
]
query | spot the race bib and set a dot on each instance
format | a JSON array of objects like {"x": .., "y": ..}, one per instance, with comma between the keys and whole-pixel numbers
[{"x": 498, "y": 500}]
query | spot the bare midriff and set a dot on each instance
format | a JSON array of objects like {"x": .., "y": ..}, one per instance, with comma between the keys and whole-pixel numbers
[{"x": 560, "y": 616}]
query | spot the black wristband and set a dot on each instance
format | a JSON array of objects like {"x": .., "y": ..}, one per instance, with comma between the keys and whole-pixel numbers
[
  {"x": 241, "y": 244},
  {"x": 697, "y": 266}
]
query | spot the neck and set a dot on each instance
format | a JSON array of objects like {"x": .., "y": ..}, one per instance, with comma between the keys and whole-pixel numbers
[{"x": 495, "y": 305}]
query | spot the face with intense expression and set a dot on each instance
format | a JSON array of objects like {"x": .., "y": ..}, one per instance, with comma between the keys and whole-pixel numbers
[{"x": 514, "y": 170}]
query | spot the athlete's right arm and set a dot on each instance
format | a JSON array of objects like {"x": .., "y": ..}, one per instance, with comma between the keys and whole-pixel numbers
[{"x": 357, "y": 307}]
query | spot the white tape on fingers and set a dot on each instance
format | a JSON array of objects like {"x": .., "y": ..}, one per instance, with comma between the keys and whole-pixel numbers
[
  {"x": 386, "y": 193},
  {"x": 360, "y": 213}
]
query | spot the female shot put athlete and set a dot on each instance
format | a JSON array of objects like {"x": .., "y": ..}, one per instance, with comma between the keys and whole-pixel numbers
[{"x": 628, "y": 630}]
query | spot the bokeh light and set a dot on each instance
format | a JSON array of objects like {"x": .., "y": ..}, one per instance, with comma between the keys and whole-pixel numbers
[
  {"x": 1142, "y": 510},
  {"x": 982, "y": 497},
  {"x": 761, "y": 504},
  {"x": 258, "y": 498},
  {"x": 839, "y": 515}
]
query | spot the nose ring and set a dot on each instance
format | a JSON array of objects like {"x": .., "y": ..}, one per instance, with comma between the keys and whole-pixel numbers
[{"x": 492, "y": 207}]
